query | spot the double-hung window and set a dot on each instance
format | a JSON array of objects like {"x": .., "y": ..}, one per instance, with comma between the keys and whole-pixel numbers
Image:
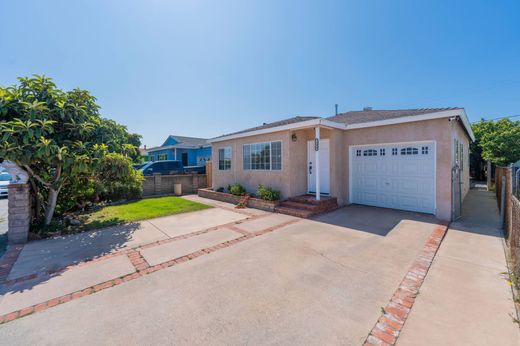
[
  {"x": 224, "y": 159},
  {"x": 161, "y": 157},
  {"x": 263, "y": 156}
]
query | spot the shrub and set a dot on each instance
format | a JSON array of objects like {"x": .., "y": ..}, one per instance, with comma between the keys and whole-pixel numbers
[
  {"x": 236, "y": 189},
  {"x": 267, "y": 193},
  {"x": 117, "y": 180}
]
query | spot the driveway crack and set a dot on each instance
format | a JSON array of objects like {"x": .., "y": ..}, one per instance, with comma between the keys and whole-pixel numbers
[
  {"x": 160, "y": 230},
  {"x": 336, "y": 262}
]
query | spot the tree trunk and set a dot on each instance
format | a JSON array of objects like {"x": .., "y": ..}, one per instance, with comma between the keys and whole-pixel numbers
[
  {"x": 36, "y": 199},
  {"x": 51, "y": 205}
]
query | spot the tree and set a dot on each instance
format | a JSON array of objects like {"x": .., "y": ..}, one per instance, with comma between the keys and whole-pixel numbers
[
  {"x": 56, "y": 136},
  {"x": 497, "y": 141}
]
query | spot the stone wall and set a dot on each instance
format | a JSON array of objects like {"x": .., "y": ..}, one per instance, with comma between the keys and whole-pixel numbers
[{"x": 164, "y": 184}]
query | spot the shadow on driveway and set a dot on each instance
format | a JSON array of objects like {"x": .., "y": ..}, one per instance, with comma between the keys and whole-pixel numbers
[
  {"x": 374, "y": 220},
  {"x": 50, "y": 257}
]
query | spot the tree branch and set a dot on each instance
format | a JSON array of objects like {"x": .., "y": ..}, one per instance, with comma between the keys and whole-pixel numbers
[{"x": 36, "y": 176}]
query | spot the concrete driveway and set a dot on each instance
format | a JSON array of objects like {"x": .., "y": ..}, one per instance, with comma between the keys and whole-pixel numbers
[{"x": 271, "y": 279}]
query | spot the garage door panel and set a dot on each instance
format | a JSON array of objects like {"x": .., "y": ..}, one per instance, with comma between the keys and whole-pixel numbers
[
  {"x": 402, "y": 178},
  {"x": 410, "y": 186}
]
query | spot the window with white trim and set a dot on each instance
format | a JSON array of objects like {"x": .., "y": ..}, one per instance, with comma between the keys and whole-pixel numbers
[
  {"x": 224, "y": 159},
  {"x": 358, "y": 152},
  {"x": 394, "y": 151},
  {"x": 409, "y": 151},
  {"x": 382, "y": 152},
  {"x": 263, "y": 156},
  {"x": 370, "y": 152},
  {"x": 424, "y": 150},
  {"x": 161, "y": 157}
]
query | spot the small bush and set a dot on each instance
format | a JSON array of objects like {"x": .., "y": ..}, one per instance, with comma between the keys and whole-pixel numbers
[
  {"x": 267, "y": 193},
  {"x": 236, "y": 189}
]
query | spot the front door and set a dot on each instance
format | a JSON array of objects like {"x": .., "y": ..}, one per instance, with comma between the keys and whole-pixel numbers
[
  {"x": 184, "y": 159},
  {"x": 324, "y": 167}
]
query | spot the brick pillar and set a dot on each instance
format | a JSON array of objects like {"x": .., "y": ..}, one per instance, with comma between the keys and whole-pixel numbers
[{"x": 19, "y": 218}]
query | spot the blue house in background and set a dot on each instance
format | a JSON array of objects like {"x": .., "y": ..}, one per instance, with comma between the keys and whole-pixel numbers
[{"x": 191, "y": 151}]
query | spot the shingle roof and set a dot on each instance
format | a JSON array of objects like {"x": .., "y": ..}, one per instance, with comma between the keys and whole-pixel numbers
[
  {"x": 287, "y": 121},
  {"x": 195, "y": 141},
  {"x": 356, "y": 117}
]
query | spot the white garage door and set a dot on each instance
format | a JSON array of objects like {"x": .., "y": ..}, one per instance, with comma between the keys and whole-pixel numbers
[{"x": 398, "y": 176}]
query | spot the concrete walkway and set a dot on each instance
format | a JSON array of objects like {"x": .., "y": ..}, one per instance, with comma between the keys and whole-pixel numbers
[{"x": 465, "y": 298}]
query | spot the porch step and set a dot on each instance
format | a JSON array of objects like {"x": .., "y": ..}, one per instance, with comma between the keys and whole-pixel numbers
[
  {"x": 294, "y": 212},
  {"x": 306, "y": 206},
  {"x": 298, "y": 205},
  {"x": 311, "y": 199}
]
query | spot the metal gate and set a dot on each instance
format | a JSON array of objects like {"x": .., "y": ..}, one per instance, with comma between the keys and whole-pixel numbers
[{"x": 456, "y": 193}]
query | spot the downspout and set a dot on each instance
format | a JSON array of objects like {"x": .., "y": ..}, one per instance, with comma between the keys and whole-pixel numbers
[{"x": 317, "y": 159}]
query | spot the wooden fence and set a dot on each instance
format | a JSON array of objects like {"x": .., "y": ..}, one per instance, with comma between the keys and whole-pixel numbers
[
  {"x": 209, "y": 174},
  {"x": 511, "y": 212}
]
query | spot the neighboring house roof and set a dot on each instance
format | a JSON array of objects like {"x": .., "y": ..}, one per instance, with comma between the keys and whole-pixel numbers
[
  {"x": 368, "y": 115},
  {"x": 194, "y": 141},
  {"x": 182, "y": 142},
  {"x": 356, "y": 119}
]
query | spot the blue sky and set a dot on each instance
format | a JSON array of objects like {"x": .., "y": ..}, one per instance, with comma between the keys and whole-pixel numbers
[{"x": 204, "y": 68}]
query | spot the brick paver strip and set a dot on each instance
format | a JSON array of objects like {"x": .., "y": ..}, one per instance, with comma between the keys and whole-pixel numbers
[
  {"x": 46, "y": 274},
  {"x": 394, "y": 315},
  {"x": 142, "y": 268},
  {"x": 7, "y": 261}
]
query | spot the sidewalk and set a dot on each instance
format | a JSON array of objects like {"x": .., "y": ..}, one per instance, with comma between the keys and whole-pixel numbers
[{"x": 465, "y": 298}]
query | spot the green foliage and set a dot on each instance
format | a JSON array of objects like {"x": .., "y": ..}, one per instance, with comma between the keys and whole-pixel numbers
[
  {"x": 59, "y": 137},
  {"x": 117, "y": 179},
  {"x": 236, "y": 189},
  {"x": 497, "y": 141},
  {"x": 267, "y": 193}
]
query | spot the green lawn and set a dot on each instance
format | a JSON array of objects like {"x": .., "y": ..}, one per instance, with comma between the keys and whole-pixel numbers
[{"x": 139, "y": 210}]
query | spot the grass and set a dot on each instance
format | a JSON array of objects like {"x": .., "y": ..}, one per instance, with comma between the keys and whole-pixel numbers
[
  {"x": 119, "y": 214},
  {"x": 139, "y": 210}
]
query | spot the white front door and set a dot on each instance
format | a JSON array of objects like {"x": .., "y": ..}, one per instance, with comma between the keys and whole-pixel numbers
[
  {"x": 324, "y": 167},
  {"x": 398, "y": 176}
]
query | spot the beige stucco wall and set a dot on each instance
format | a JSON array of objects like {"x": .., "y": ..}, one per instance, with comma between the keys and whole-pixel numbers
[
  {"x": 437, "y": 130},
  {"x": 250, "y": 179},
  {"x": 292, "y": 179},
  {"x": 458, "y": 132}
]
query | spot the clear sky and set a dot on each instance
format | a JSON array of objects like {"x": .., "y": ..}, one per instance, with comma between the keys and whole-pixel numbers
[{"x": 204, "y": 68}]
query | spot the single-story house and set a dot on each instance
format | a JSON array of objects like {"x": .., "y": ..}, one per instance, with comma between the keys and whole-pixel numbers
[
  {"x": 409, "y": 159},
  {"x": 191, "y": 151}
]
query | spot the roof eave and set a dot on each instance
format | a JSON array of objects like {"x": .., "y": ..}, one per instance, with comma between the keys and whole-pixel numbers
[
  {"x": 293, "y": 126},
  {"x": 461, "y": 113}
]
